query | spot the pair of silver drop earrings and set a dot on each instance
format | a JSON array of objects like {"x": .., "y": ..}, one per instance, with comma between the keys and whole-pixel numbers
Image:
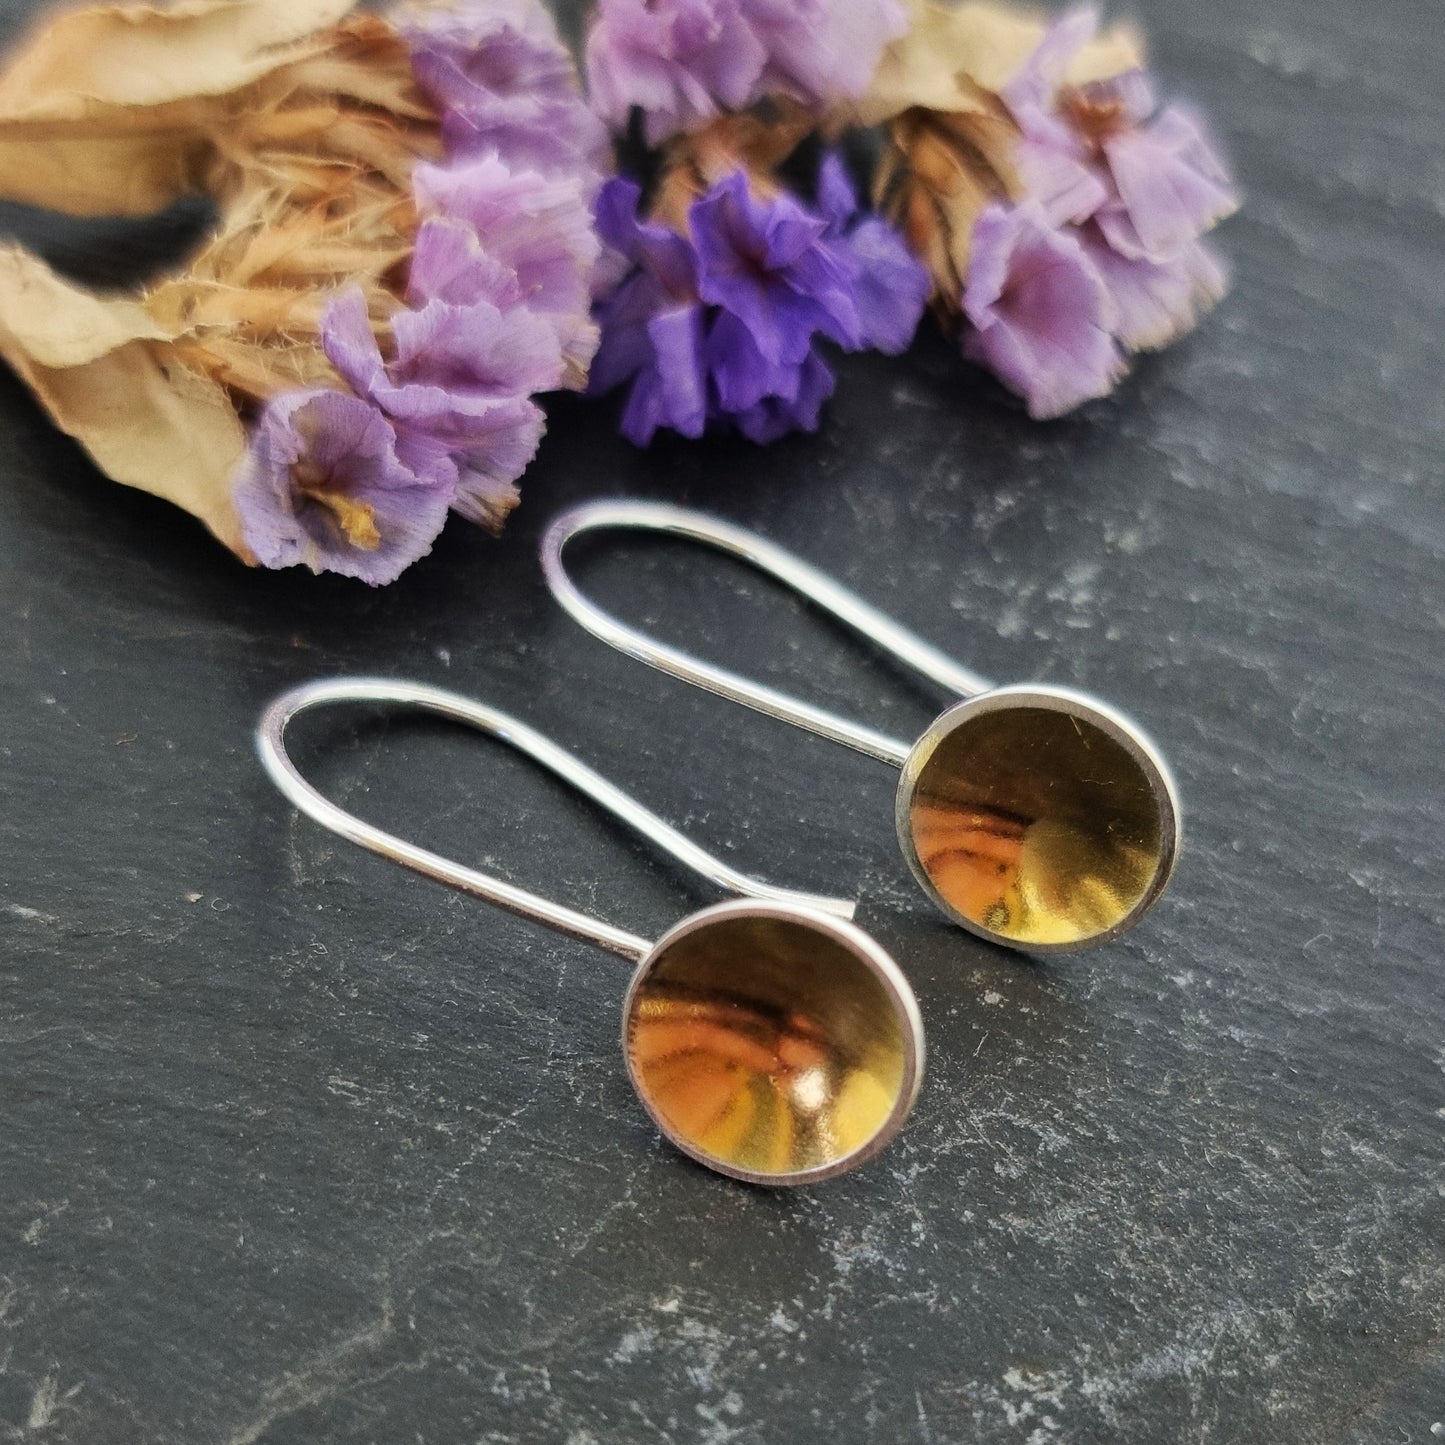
[{"x": 770, "y": 1038}]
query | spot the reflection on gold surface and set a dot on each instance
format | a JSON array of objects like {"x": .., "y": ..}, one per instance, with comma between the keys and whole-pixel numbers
[
  {"x": 1037, "y": 824},
  {"x": 766, "y": 1044}
]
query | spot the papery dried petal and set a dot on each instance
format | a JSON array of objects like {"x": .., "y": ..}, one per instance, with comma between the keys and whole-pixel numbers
[
  {"x": 106, "y": 372},
  {"x": 1042, "y": 318},
  {"x": 679, "y": 60},
  {"x": 798, "y": 408},
  {"x": 1172, "y": 187},
  {"x": 667, "y": 256},
  {"x": 764, "y": 261},
  {"x": 890, "y": 287},
  {"x": 477, "y": 348},
  {"x": 502, "y": 81},
  {"x": 500, "y": 445},
  {"x": 952, "y": 56},
  {"x": 820, "y": 51},
  {"x": 1156, "y": 302},
  {"x": 670, "y": 386},
  {"x": 541, "y": 228},
  {"x": 449, "y": 264},
  {"x": 461, "y": 381},
  {"x": 322, "y": 486}
]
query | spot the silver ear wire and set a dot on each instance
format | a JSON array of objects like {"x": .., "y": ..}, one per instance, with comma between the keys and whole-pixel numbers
[
  {"x": 271, "y": 746},
  {"x": 820, "y": 589}
]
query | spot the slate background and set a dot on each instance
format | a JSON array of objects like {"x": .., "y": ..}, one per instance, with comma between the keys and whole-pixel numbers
[{"x": 297, "y": 1147}]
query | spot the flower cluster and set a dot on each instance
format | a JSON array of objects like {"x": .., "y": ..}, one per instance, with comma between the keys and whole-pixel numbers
[
  {"x": 1103, "y": 253},
  {"x": 723, "y": 323},
  {"x": 682, "y": 62},
  {"x": 416, "y": 236},
  {"x": 496, "y": 309}
]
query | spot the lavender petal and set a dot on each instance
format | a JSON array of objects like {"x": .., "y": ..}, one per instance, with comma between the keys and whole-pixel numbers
[
  {"x": 322, "y": 486},
  {"x": 1156, "y": 302},
  {"x": 1041, "y": 316},
  {"x": 1172, "y": 187}
]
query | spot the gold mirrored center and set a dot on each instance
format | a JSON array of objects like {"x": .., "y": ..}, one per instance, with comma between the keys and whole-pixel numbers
[
  {"x": 1037, "y": 824},
  {"x": 767, "y": 1046}
]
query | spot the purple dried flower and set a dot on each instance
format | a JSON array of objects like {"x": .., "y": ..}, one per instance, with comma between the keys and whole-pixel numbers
[
  {"x": 670, "y": 386},
  {"x": 890, "y": 285},
  {"x": 763, "y": 399},
  {"x": 684, "y": 61},
  {"x": 722, "y": 325},
  {"x": 1092, "y": 150},
  {"x": 823, "y": 50},
  {"x": 502, "y": 81},
  {"x": 458, "y": 392},
  {"x": 449, "y": 264},
  {"x": 322, "y": 485},
  {"x": 1055, "y": 161},
  {"x": 1170, "y": 187},
  {"x": 539, "y": 227},
  {"x": 1156, "y": 302},
  {"x": 1043, "y": 319},
  {"x": 652, "y": 323},
  {"x": 742, "y": 377},
  {"x": 681, "y": 61},
  {"x": 498, "y": 308},
  {"x": 1032, "y": 94},
  {"x": 1106, "y": 249},
  {"x": 765, "y": 261}
]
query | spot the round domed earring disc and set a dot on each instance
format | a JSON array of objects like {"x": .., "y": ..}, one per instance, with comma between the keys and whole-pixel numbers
[
  {"x": 772, "y": 1044},
  {"x": 1038, "y": 818}
]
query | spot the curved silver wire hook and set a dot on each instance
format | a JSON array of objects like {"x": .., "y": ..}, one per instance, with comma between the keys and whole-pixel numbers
[
  {"x": 271, "y": 746},
  {"x": 803, "y": 578}
]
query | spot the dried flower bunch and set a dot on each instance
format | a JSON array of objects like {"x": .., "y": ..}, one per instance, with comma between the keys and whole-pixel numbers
[
  {"x": 1056, "y": 219},
  {"x": 403, "y": 258},
  {"x": 1055, "y": 209},
  {"x": 419, "y": 232}
]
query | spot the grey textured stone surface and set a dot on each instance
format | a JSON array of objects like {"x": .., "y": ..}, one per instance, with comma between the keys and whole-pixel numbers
[{"x": 297, "y": 1147}]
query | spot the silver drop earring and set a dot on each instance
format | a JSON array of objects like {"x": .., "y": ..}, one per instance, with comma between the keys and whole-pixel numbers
[
  {"x": 1035, "y": 816},
  {"x": 769, "y": 1038}
]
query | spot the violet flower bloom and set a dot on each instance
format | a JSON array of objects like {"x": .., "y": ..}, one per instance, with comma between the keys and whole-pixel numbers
[
  {"x": 890, "y": 285},
  {"x": 322, "y": 485},
  {"x": 652, "y": 323},
  {"x": 502, "y": 81},
  {"x": 1156, "y": 185},
  {"x": 777, "y": 282},
  {"x": 1156, "y": 302},
  {"x": 766, "y": 262},
  {"x": 722, "y": 325},
  {"x": 681, "y": 61},
  {"x": 1043, "y": 319},
  {"x": 1053, "y": 161},
  {"x": 1170, "y": 187},
  {"x": 794, "y": 404},
  {"x": 822, "y": 50},
  {"x": 539, "y": 227},
  {"x": 458, "y": 391},
  {"x": 684, "y": 61},
  {"x": 449, "y": 264}
]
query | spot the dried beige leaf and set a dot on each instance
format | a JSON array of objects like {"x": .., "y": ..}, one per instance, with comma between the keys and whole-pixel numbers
[
  {"x": 951, "y": 53},
  {"x": 104, "y": 370},
  {"x": 107, "y": 111},
  {"x": 79, "y": 65},
  {"x": 304, "y": 126}
]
